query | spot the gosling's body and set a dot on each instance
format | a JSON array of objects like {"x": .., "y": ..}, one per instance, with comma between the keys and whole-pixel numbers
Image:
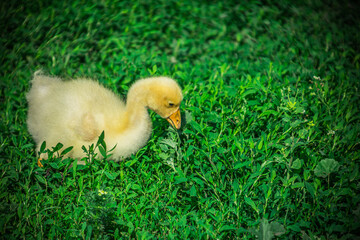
[{"x": 75, "y": 113}]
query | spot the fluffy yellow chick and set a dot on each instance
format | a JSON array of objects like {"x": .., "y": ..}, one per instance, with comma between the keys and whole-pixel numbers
[{"x": 75, "y": 113}]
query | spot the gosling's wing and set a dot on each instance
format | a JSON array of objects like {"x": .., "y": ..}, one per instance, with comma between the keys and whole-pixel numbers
[{"x": 87, "y": 129}]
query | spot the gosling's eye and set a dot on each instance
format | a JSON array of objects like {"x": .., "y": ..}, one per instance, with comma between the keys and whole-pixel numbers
[{"x": 171, "y": 104}]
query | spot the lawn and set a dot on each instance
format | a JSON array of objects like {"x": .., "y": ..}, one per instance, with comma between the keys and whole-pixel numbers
[{"x": 270, "y": 144}]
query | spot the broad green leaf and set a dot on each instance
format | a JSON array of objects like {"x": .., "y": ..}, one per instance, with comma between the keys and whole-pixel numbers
[
  {"x": 130, "y": 163},
  {"x": 74, "y": 168},
  {"x": 299, "y": 110},
  {"x": 193, "y": 191},
  {"x": 81, "y": 182},
  {"x": 66, "y": 150},
  {"x": 235, "y": 186},
  {"x": 188, "y": 117},
  {"x": 196, "y": 126},
  {"x": 164, "y": 156},
  {"x": 179, "y": 180},
  {"x": 251, "y": 203},
  {"x": 241, "y": 164},
  {"x": 43, "y": 146},
  {"x": 297, "y": 185},
  {"x": 58, "y": 147},
  {"x": 111, "y": 176},
  {"x": 295, "y": 123},
  {"x": 83, "y": 227},
  {"x": 260, "y": 144},
  {"x": 182, "y": 221},
  {"x": 303, "y": 133},
  {"x": 277, "y": 229},
  {"x": 89, "y": 232},
  {"x": 102, "y": 151},
  {"x": 296, "y": 164},
  {"x": 326, "y": 167},
  {"x": 169, "y": 142},
  {"x": 265, "y": 232},
  {"x": 221, "y": 150},
  {"x": 41, "y": 179},
  {"x": 268, "y": 230},
  {"x": 101, "y": 139},
  {"x": 84, "y": 149},
  {"x": 310, "y": 188},
  {"x": 198, "y": 181},
  {"x": 354, "y": 173},
  {"x": 227, "y": 228},
  {"x": 250, "y": 91},
  {"x": 268, "y": 112},
  {"x": 130, "y": 225},
  {"x": 295, "y": 227},
  {"x": 54, "y": 165}
]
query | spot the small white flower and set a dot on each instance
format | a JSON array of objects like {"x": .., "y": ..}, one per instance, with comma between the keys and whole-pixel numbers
[
  {"x": 331, "y": 132},
  {"x": 102, "y": 192},
  {"x": 173, "y": 59}
]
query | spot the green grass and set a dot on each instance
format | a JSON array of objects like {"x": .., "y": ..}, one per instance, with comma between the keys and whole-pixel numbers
[{"x": 270, "y": 147}]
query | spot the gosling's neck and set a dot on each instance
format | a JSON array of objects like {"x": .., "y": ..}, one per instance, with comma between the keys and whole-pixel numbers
[{"x": 136, "y": 103}]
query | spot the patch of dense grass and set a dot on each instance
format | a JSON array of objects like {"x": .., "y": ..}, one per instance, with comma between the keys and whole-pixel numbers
[{"x": 271, "y": 143}]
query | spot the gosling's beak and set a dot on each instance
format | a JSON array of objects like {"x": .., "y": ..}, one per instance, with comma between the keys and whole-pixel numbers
[{"x": 175, "y": 119}]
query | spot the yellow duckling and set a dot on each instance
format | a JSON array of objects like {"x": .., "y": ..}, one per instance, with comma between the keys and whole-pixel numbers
[{"x": 75, "y": 113}]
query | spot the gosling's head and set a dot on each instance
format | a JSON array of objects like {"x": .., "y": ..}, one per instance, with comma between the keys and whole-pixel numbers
[{"x": 164, "y": 98}]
